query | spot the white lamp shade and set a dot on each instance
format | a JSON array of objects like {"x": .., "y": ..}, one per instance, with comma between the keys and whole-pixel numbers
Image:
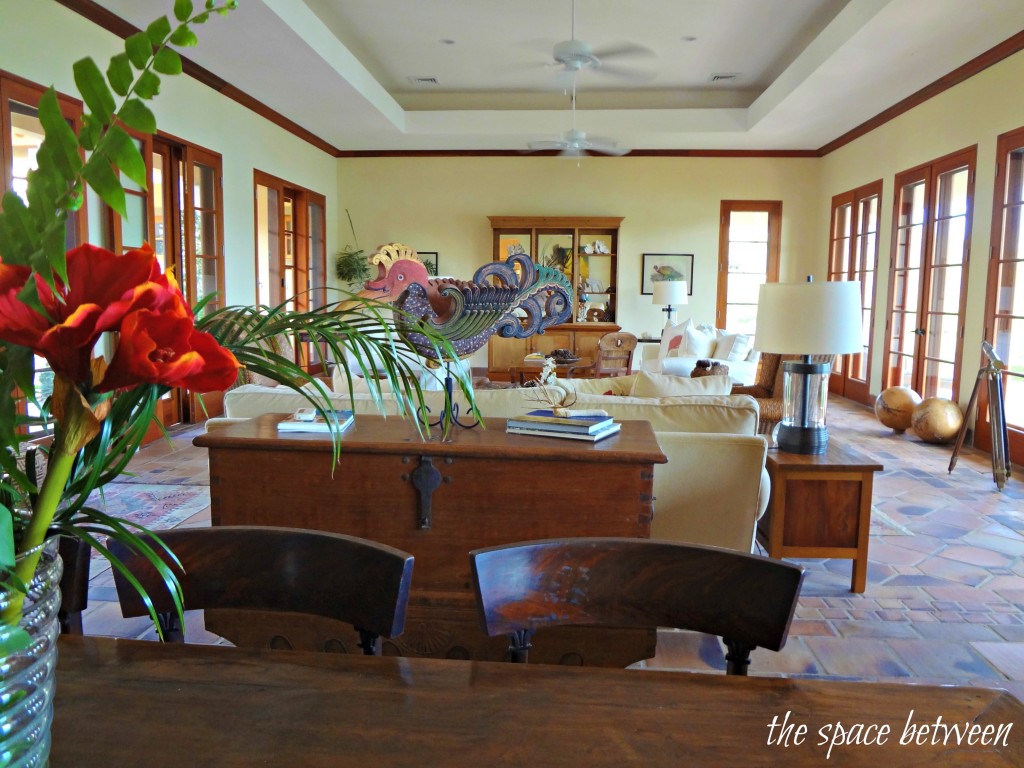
[
  {"x": 809, "y": 318},
  {"x": 670, "y": 292}
]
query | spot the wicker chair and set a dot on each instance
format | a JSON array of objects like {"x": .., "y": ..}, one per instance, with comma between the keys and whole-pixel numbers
[{"x": 767, "y": 387}]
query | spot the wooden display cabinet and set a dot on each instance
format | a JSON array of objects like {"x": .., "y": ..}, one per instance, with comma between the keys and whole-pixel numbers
[{"x": 585, "y": 249}]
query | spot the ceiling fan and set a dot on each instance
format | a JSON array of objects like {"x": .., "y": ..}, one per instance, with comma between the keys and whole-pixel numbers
[
  {"x": 574, "y": 143},
  {"x": 573, "y": 56}
]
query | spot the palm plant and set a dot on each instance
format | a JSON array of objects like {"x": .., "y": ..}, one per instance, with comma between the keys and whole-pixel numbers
[{"x": 60, "y": 306}]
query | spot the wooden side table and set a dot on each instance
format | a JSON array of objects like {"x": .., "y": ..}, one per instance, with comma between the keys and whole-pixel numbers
[{"x": 820, "y": 506}]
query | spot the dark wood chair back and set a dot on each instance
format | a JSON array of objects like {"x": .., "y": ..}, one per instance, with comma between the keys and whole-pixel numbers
[
  {"x": 746, "y": 600},
  {"x": 274, "y": 570}
]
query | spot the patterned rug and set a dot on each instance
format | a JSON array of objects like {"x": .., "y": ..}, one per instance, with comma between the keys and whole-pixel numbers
[{"x": 153, "y": 506}]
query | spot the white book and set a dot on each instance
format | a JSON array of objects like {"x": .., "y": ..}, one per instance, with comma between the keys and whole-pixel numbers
[
  {"x": 590, "y": 438},
  {"x": 302, "y": 422}
]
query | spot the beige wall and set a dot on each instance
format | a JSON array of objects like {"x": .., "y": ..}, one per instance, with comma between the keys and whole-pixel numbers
[
  {"x": 974, "y": 112},
  {"x": 670, "y": 205}
]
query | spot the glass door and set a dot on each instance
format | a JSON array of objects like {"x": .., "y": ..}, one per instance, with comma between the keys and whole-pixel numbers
[
  {"x": 748, "y": 256},
  {"x": 928, "y": 276},
  {"x": 1004, "y": 323},
  {"x": 854, "y": 256}
]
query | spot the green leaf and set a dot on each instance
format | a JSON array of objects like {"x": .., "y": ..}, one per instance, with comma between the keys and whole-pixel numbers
[
  {"x": 182, "y": 9},
  {"x": 89, "y": 133},
  {"x": 210, "y": 4},
  {"x": 158, "y": 31},
  {"x": 184, "y": 37},
  {"x": 101, "y": 177},
  {"x": 167, "y": 62},
  {"x": 93, "y": 88},
  {"x": 148, "y": 85},
  {"x": 126, "y": 156},
  {"x": 139, "y": 49},
  {"x": 59, "y": 138},
  {"x": 6, "y": 539},
  {"x": 201, "y": 18},
  {"x": 136, "y": 115},
  {"x": 119, "y": 73}
]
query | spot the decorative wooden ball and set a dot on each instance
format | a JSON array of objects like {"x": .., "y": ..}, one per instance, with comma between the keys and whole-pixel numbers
[
  {"x": 895, "y": 406},
  {"x": 936, "y": 420}
]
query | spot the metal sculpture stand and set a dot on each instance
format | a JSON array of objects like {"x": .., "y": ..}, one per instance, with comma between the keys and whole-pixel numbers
[
  {"x": 450, "y": 414},
  {"x": 992, "y": 373}
]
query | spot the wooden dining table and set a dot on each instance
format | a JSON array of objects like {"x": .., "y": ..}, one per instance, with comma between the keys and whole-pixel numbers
[{"x": 135, "y": 703}]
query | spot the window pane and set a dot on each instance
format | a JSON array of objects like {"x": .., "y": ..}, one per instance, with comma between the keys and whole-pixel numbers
[
  {"x": 744, "y": 289},
  {"x": 742, "y": 317},
  {"x": 203, "y": 187},
  {"x": 317, "y": 254},
  {"x": 267, "y": 247},
  {"x": 1010, "y": 296},
  {"x": 748, "y": 257},
  {"x": 942, "y": 336},
  {"x": 134, "y": 231},
  {"x": 207, "y": 270},
  {"x": 953, "y": 193},
  {"x": 938, "y": 379},
  {"x": 748, "y": 225},
  {"x": 945, "y": 289}
]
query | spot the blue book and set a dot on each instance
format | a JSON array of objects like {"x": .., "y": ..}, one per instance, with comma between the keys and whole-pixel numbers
[{"x": 547, "y": 420}]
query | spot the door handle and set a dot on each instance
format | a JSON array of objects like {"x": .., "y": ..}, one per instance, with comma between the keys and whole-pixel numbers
[{"x": 919, "y": 331}]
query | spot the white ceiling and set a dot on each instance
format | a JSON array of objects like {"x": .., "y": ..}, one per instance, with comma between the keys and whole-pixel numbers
[{"x": 807, "y": 71}]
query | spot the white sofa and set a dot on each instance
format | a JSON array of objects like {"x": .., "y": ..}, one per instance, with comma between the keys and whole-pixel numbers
[
  {"x": 683, "y": 344},
  {"x": 713, "y": 488}
]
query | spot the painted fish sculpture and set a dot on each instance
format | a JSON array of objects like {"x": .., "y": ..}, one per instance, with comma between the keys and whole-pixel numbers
[{"x": 467, "y": 313}]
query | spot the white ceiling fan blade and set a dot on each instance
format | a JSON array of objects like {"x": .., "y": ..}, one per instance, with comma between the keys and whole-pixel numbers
[
  {"x": 606, "y": 149},
  {"x": 625, "y": 73},
  {"x": 540, "y": 146},
  {"x": 620, "y": 50}
]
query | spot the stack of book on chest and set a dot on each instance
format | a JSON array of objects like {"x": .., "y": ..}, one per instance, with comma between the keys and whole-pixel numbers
[{"x": 591, "y": 426}]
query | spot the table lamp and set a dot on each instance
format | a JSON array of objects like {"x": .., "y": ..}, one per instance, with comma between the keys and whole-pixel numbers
[
  {"x": 669, "y": 292},
  {"x": 807, "y": 319}
]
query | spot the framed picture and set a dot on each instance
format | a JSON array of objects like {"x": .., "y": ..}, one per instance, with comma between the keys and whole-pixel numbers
[
  {"x": 666, "y": 266},
  {"x": 429, "y": 258}
]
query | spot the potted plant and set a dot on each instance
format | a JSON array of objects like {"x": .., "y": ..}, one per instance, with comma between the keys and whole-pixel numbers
[
  {"x": 351, "y": 265},
  {"x": 117, "y": 334}
]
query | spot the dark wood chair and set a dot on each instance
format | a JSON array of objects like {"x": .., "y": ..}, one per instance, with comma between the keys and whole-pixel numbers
[
  {"x": 614, "y": 357},
  {"x": 746, "y": 600},
  {"x": 268, "y": 570}
]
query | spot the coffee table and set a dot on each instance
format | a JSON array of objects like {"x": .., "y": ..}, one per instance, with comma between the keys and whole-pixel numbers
[{"x": 820, "y": 506}]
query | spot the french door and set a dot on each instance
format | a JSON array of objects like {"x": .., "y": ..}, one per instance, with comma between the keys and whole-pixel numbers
[
  {"x": 853, "y": 255},
  {"x": 749, "y": 240},
  {"x": 291, "y": 258},
  {"x": 1004, "y": 308},
  {"x": 928, "y": 275},
  {"x": 187, "y": 235}
]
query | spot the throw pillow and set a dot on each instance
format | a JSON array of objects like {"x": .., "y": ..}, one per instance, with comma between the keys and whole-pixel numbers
[
  {"x": 661, "y": 385},
  {"x": 700, "y": 342},
  {"x": 673, "y": 339},
  {"x": 733, "y": 346}
]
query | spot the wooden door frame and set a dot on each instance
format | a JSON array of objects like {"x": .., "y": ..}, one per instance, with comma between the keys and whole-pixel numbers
[{"x": 726, "y": 207}]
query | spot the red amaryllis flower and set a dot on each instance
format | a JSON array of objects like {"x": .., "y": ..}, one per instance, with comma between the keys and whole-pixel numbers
[
  {"x": 165, "y": 348},
  {"x": 19, "y": 323},
  {"x": 101, "y": 289}
]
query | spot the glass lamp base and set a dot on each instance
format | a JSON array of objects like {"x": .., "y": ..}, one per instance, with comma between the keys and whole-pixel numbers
[{"x": 807, "y": 440}]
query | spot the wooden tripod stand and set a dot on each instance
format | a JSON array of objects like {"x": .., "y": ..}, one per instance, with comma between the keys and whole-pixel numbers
[{"x": 992, "y": 375}]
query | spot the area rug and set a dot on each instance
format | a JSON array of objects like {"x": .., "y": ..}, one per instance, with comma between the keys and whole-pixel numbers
[
  {"x": 883, "y": 525},
  {"x": 153, "y": 506}
]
